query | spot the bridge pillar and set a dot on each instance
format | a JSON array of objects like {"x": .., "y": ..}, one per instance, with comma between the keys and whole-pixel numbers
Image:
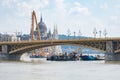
[
  {"x": 15, "y": 56},
  {"x": 4, "y": 49},
  {"x": 4, "y": 52},
  {"x": 110, "y": 55}
]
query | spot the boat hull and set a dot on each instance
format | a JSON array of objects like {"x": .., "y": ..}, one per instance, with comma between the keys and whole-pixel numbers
[
  {"x": 88, "y": 58},
  {"x": 38, "y": 58}
]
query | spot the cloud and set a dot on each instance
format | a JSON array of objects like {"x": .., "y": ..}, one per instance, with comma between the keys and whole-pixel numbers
[
  {"x": 104, "y": 6},
  {"x": 44, "y": 3},
  {"x": 78, "y": 8},
  {"x": 31, "y": 4},
  {"x": 60, "y": 5},
  {"x": 117, "y": 6},
  {"x": 9, "y": 3},
  {"x": 58, "y": 9},
  {"x": 94, "y": 2},
  {"x": 115, "y": 19},
  {"x": 77, "y": 4},
  {"x": 6, "y": 2}
]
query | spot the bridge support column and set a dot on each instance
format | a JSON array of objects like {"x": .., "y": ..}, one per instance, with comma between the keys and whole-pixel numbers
[
  {"x": 15, "y": 56},
  {"x": 110, "y": 55},
  {"x": 4, "y": 49},
  {"x": 4, "y": 52}
]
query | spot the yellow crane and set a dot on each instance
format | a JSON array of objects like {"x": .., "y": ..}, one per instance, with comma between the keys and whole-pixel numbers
[{"x": 34, "y": 19}]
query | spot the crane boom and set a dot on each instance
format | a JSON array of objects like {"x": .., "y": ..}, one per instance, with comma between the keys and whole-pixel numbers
[{"x": 34, "y": 18}]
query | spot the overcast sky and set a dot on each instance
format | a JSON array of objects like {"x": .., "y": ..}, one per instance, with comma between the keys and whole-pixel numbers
[{"x": 83, "y": 15}]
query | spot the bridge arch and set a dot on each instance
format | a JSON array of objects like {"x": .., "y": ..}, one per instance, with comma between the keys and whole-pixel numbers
[{"x": 36, "y": 46}]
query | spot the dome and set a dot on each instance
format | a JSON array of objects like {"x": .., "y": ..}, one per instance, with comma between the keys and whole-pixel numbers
[{"x": 42, "y": 26}]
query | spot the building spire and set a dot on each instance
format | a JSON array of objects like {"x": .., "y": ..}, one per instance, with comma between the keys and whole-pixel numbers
[
  {"x": 56, "y": 30},
  {"x": 41, "y": 18}
]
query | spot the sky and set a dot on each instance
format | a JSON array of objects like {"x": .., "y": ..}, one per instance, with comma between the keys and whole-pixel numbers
[{"x": 73, "y": 15}]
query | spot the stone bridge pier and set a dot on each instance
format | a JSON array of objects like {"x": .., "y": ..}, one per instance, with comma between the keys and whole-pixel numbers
[
  {"x": 15, "y": 56},
  {"x": 4, "y": 54},
  {"x": 110, "y": 55}
]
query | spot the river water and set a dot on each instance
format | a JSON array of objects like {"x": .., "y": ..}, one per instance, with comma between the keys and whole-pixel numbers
[{"x": 53, "y": 70}]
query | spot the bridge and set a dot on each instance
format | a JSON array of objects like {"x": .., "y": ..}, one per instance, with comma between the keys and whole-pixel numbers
[
  {"x": 110, "y": 46},
  {"x": 13, "y": 50}
]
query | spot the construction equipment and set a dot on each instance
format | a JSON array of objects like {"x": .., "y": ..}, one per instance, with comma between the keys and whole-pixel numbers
[{"x": 34, "y": 18}]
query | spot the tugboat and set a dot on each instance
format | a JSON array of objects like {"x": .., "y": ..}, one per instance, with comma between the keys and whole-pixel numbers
[
  {"x": 90, "y": 57},
  {"x": 38, "y": 56},
  {"x": 63, "y": 57}
]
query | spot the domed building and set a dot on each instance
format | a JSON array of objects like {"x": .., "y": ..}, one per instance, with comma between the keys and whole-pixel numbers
[
  {"x": 48, "y": 36},
  {"x": 43, "y": 29}
]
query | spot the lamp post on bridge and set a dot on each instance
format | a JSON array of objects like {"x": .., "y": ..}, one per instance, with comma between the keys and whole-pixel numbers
[
  {"x": 69, "y": 33},
  {"x": 105, "y": 33},
  {"x": 74, "y": 34},
  {"x": 100, "y": 33},
  {"x": 94, "y": 32},
  {"x": 79, "y": 34}
]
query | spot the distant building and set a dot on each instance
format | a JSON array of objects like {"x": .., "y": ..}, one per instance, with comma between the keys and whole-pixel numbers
[
  {"x": 55, "y": 36},
  {"x": 48, "y": 36},
  {"x": 8, "y": 37},
  {"x": 5, "y": 37},
  {"x": 25, "y": 37},
  {"x": 43, "y": 30},
  {"x": 15, "y": 38}
]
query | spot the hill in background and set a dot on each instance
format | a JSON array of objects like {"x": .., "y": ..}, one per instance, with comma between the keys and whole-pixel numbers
[{"x": 65, "y": 37}]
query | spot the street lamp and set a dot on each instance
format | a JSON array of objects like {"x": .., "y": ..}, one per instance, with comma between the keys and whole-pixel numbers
[
  {"x": 79, "y": 34},
  {"x": 74, "y": 34},
  {"x": 94, "y": 32},
  {"x": 100, "y": 33},
  {"x": 69, "y": 33},
  {"x": 105, "y": 33}
]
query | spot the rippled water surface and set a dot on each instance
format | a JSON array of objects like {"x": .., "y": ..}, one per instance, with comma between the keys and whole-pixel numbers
[{"x": 69, "y": 70}]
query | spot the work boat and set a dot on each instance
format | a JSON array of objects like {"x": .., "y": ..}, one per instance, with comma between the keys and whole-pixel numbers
[
  {"x": 38, "y": 57},
  {"x": 88, "y": 57}
]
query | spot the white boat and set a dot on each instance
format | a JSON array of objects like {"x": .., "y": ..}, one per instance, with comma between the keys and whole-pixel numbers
[{"x": 37, "y": 58}]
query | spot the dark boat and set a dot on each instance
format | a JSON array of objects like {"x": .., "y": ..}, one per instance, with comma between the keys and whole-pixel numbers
[
  {"x": 37, "y": 56},
  {"x": 63, "y": 57},
  {"x": 87, "y": 58}
]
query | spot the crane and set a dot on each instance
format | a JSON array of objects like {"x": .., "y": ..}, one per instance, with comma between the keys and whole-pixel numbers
[{"x": 34, "y": 19}]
